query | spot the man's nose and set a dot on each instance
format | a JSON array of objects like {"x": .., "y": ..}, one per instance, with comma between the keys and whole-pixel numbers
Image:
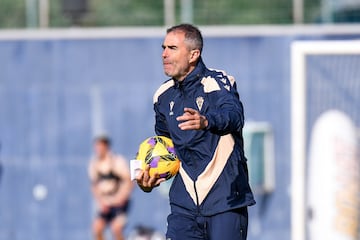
[{"x": 165, "y": 53}]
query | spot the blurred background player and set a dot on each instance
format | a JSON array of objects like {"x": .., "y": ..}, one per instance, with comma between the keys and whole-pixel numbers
[
  {"x": 0, "y": 164},
  {"x": 111, "y": 187}
]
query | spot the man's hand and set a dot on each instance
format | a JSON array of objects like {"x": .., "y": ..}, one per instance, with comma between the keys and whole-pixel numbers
[
  {"x": 146, "y": 182},
  {"x": 192, "y": 120}
]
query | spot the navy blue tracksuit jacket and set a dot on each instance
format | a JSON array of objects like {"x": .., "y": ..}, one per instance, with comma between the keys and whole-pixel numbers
[{"x": 213, "y": 177}]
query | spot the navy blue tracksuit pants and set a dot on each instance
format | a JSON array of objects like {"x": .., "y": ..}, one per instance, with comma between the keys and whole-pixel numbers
[{"x": 231, "y": 225}]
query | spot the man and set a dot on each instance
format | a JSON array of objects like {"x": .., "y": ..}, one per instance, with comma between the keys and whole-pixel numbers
[
  {"x": 111, "y": 187},
  {"x": 200, "y": 110}
]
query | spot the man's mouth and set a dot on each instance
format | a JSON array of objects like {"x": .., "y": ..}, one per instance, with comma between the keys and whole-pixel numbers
[{"x": 167, "y": 66}]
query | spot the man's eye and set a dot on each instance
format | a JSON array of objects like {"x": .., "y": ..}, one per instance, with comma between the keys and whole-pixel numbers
[{"x": 169, "y": 47}]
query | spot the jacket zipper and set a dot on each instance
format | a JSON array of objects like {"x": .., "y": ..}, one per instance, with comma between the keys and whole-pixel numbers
[{"x": 197, "y": 198}]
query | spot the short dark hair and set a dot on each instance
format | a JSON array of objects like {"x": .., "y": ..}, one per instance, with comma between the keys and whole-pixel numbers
[
  {"x": 103, "y": 139},
  {"x": 192, "y": 35}
]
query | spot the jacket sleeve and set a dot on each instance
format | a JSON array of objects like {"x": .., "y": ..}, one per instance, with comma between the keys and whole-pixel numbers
[
  {"x": 226, "y": 113},
  {"x": 161, "y": 128}
]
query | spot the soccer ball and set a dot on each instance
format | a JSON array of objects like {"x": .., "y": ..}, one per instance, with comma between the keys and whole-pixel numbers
[{"x": 159, "y": 153}]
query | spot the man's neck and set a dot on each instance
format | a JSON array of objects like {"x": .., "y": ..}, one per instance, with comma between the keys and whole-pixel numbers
[
  {"x": 191, "y": 69},
  {"x": 103, "y": 156}
]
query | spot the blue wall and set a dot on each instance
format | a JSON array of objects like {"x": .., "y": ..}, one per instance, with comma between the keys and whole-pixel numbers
[{"x": 56, "y": 94}]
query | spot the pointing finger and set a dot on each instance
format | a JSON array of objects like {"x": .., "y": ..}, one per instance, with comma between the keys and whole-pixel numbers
[{"x": 190, "y": 110}]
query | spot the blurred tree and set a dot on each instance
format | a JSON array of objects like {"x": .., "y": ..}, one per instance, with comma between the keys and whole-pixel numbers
[
  {"x": 12, "y": 13},
  {"x": 126, "y": 12},
  {"x": 312, "y": 10},
  {"x": 57, "y": 17},
  {"x": 243, "y": 12},
  {"x": 113, "y": 13},
  {"x": 150, "y": 13}
]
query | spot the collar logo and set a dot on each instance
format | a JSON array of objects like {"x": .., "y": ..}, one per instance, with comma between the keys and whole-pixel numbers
[
  {"x": 171, "y": 105},
  {"x": 199, "y": 102}
]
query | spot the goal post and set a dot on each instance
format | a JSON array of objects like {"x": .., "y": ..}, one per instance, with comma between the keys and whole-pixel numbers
[{"x": 300, "y": 51}]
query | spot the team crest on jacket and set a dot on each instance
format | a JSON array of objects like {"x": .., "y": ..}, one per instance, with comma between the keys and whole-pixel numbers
[
  {"x": 199, "y": 102},
  {"x": 171, "y": 105}
]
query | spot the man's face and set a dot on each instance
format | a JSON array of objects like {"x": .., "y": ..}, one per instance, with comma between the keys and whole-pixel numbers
[
  {"x": 176, "y": 56},
  {"x": 101, "y": 149}
]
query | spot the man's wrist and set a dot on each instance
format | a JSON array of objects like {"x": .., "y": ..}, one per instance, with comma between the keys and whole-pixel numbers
[
  {"x": 204, "y": 122},
  {"x": 145, "y": 189}
]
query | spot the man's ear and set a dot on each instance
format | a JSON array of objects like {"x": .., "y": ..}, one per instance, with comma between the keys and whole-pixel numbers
[{"x": 194, "y": 55}]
